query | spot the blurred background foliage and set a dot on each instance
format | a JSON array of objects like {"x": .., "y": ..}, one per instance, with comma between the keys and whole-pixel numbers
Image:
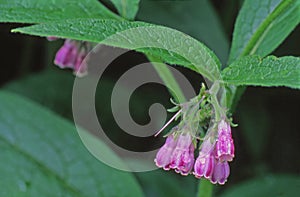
[{"x": 267, "y": 139}]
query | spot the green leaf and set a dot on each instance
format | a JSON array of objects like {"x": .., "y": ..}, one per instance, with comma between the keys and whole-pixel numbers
[
  {"x": 168, "y": 43},
  {"x": 38, "y": 11},
  {"x": 189, "y": 17},
  {"x": 262, "y": 25},
  {"x": 270, "y": 185},
  {"x": 42, "y": 155},
  {"x": 127, "y": 8},
  {"x": 270, "y": 71}
]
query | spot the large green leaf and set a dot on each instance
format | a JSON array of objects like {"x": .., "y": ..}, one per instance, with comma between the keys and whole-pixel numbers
[
  {"x": 168, "y": 44},
  {"x": 127, "y": 8},
  {"x": 42, "y": 155},
  {"x": 37, "y": 11},
  {"x": 262, "y": 25},
  {"x": 269, "y": 71},
  {"x": 190, "y": 17},
  {"x": 269, "y": 185}
]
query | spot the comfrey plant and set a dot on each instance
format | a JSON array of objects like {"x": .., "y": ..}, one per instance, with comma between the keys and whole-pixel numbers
[{"x": 201, "y": 144}]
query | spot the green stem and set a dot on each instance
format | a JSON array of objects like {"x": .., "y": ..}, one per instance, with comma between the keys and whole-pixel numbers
[
  {"x": 168, "y": 78},
  {"x": 205, "y": 188}
]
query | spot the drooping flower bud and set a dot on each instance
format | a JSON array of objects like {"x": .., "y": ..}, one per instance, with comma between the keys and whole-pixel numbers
[
  {"x": 224, "y": 145},
  {"x": 204, "y": 165},
  {"x": 182, "y": 159},
  {"x": 163, "y": 156},
  {"x": 66, "y": 55},
  {"x": 72, "y": 55},
  {"x": 221, "y": 172}
]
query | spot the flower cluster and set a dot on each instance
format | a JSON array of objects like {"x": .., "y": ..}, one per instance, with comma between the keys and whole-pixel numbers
[
  {"x": 214, "y": 154},
  {"x": 71, "y": 55}
]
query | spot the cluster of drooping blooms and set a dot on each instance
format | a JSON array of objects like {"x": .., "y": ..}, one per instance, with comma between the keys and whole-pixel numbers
[
  {"x": 71, "y": 55},
  {"x": 214, "y": 155},
  {"x": 212, "y": 163},
  {"x": 216, "y": 150}
]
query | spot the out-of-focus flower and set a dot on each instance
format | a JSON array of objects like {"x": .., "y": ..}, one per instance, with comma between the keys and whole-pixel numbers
[
  {"x": 72, "y": 55},
  {"x": 66, "y": 55}
]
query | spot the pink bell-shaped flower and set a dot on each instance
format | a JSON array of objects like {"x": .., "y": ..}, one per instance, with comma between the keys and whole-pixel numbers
[
  {"x": 221, "y": 172},
  {"x": 224, "y": 144},
  {"x": 163, "y": 156},
  {"x": 204, "y": 165},
  {"x": 182, "y": 159}
]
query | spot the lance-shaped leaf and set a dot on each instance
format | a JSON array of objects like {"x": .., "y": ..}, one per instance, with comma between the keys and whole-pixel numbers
[{"x": 269, "y": 71}]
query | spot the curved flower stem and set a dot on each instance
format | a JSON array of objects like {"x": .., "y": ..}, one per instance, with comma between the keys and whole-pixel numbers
[{"x": 205, "y": 188}]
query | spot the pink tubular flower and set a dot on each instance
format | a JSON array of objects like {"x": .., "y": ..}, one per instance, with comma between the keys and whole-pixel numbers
[
  {"x": 204, "y": 165},
  {"x": 163, "y": 156},
  {"x": 224, "y": 145},
  {"x": 182, "y": 159},
  {"x": 66, "y": 55},
  {"x": 221, "y": 172}
]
